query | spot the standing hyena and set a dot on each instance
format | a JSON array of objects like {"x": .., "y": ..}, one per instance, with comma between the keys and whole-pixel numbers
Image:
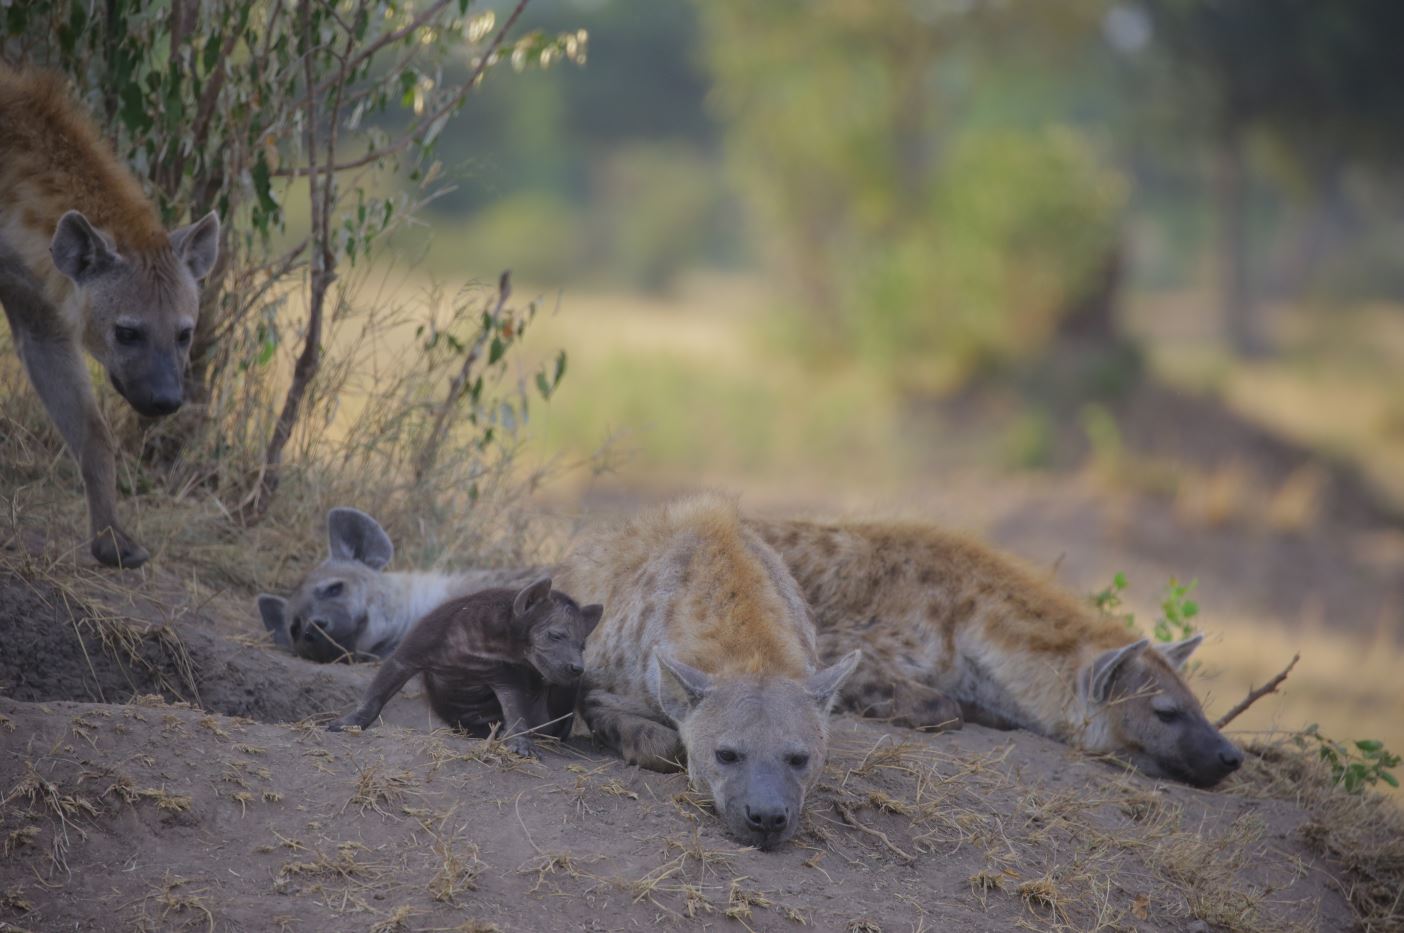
[
  {"x": 952, "y": 631},
  {"x": 349, "y": 607},
  {"x": 706, "y": 653},
  {"x": 85, "y": 262}
]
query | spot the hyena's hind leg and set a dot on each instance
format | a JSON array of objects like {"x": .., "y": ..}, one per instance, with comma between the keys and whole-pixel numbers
[
  {"x": 878, "y": 692},
  {"x": 629, "y": 727}
]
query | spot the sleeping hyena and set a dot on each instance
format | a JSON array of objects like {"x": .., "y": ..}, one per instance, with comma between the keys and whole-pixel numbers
[
  {"x": 953, "y": 631},
  {"x": 351, "y": 608},
  {"x": 706, "y": 654}
]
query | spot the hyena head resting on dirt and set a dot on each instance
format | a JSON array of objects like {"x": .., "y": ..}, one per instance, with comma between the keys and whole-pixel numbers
[
  {"x": 329, "y": 613},
  {"x": 1140, "y": 711},
  {"x": 706, "y": 654},
  {"x": 350, "y": 608},
  {"x": 756, "y": 747}
]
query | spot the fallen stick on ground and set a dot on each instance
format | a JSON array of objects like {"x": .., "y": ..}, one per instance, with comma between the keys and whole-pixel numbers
[{"x": 1256, "y": 695}]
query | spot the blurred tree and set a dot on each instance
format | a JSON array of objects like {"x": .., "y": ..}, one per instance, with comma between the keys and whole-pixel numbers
[
  {"x": 931, "y": 242},
  {"x": 1323, "y": 83}
]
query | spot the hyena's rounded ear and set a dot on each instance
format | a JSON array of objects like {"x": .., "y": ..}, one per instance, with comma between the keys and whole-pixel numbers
[
  {"x": 591, "y": 616},
  {"x": 197, "y": 244},
  {"x": 274, "y": 610},
  {"x": 354, "y": 535},
  {"x": 1179, "y": 652},
  {"x": 1102, "y": 671},
  {"x": 81, "y": 251},
  {"x": 824, "y": 685},
  {"x": 530, "y": 596},
  {"x": 678, "y": 686}
]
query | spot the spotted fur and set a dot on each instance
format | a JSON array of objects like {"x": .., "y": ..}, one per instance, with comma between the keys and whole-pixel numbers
[{"x": 953, "y": 631}]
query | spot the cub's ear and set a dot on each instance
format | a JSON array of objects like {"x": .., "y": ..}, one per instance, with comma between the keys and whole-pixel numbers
[
  {"x": 1102, "y": 671},
  {"x": 678, "y": 687},
  {"x": 81, "y": 251},
  {"x": 197, "y": 244},
  {"x": 824, "y": 685},
  {"x": 531, "y": 596},
  {"x": 354, "y": 535},
  {"x": 591, "y": 616},
  {"x": 1179, "y": 652},
  {"x": 274, "y": 610}
]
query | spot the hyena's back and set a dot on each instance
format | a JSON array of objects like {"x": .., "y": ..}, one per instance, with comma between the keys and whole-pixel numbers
[{"x": 936, "y": 610}]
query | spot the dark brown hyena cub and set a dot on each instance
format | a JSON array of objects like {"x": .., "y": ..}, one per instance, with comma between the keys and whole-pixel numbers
[{"x": 497, "y": 656}]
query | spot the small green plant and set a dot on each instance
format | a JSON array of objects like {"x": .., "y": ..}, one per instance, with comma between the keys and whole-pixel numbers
[
  {"x": 1177, "y": 609},
  {"x": 1353, "y": 765}
]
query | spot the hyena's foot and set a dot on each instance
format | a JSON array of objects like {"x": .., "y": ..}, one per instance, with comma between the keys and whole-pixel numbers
[
  {"x": 652, "y": 745},
  {"x": 521, "y": 745},
  {"x": 115, "y": 548},
  {"x": 350, "y": 719},
  {"x": 906, "y": 704}
]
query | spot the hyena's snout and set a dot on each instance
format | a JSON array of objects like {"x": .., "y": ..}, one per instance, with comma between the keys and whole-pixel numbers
[{"x": 154, "y": 392}]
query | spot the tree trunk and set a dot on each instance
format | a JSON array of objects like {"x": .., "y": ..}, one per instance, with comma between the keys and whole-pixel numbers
[{"x": 1239, "y": 312}]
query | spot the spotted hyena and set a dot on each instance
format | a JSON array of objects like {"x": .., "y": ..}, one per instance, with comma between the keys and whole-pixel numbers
[
  {"x": 86, "y": 264},
  {"x": 706, "y": 657},
  {"x": 953, "y": 631}
]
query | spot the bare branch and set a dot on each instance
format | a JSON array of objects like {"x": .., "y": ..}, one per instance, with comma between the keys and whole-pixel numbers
[
  {"x": 1256, "y": 695},
  {"x": 418, "y": 127}
]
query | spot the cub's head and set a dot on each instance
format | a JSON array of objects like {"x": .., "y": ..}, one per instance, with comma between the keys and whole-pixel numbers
[
  {"x": 554, "y": 629},
  {"x": 141, "y": 309},
  {"x": 1141, "y": 711},
  {"x": 324, "y": 617},
  {"x": 756, "y": 745}
]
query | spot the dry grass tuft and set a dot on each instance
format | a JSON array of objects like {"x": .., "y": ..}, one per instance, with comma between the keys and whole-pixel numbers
[{"x": 175, "y": 908}]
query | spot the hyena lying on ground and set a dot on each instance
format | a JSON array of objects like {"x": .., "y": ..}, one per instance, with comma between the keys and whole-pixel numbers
[
  {"x": 349, "y": 608},
  {"x": 953, "y": 631},
  {"x": 85, "y": 262},
  {"x": 499, "y": 656},
  {"x": 706, "y": 654}
]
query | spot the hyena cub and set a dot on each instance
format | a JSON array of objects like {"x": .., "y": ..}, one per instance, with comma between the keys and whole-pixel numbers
[
  {"x": 953, "y": 631},
  {"x": 498, "y": 656}
]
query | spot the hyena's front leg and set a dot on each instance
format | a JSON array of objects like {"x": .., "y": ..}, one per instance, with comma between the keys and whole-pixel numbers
[
  {"x": 56, "y": 369},
  {"x": 629, "y": 726}
]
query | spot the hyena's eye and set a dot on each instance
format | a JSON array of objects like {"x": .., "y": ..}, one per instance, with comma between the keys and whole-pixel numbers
[
  {"x": 332, "y": 590},
  {"x": 185, "y": 334},
  {"x": 728, "y": 756},
  {"x": 557, "y": 636},
  {"x": 127, "y": 336},
  {"x": 1167, "y": 715},
  {"x": 797, "y": 760}
]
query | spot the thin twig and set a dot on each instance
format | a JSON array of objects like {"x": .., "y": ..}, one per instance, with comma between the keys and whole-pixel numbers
[{"x": 1256, "y": 695}]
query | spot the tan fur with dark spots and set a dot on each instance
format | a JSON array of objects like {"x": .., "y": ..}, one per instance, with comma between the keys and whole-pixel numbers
[{"x": 953, "y": 631}]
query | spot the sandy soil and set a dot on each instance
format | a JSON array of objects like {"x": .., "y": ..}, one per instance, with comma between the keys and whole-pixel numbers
[{"x": 225, "y": 806}]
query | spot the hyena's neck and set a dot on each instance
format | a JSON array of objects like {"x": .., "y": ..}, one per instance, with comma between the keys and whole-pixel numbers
[{"x": 408, "y": 596}]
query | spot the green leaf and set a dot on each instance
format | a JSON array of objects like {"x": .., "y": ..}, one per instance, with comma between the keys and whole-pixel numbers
[
  {"x": 1369, "y": 745},
  {"x": 496, "y": 350},
  {"x": 1389, "y": 779}
]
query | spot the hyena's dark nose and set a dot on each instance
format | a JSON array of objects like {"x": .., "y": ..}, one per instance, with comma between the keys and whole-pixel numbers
[
  {"x": 1230, "y": 757},
  {"x": 164, "y": 403},
  {"x": 767, "y": 819},
  {"x": 577, "y": 669}
]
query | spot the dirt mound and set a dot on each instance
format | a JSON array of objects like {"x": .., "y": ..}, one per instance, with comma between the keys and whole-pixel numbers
[
  {"x": 133, "y": 812},
  {"x": 170, "y": 817}
]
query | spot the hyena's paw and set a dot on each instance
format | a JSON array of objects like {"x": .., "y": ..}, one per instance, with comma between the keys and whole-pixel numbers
[
  {"x": 522, "y": 746},
  {"x": 346, "y": 722},
  {"x": 651, "y": 745},
  {"x": 116, "y": 548},
  {"x": 926, "y": 710}
]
